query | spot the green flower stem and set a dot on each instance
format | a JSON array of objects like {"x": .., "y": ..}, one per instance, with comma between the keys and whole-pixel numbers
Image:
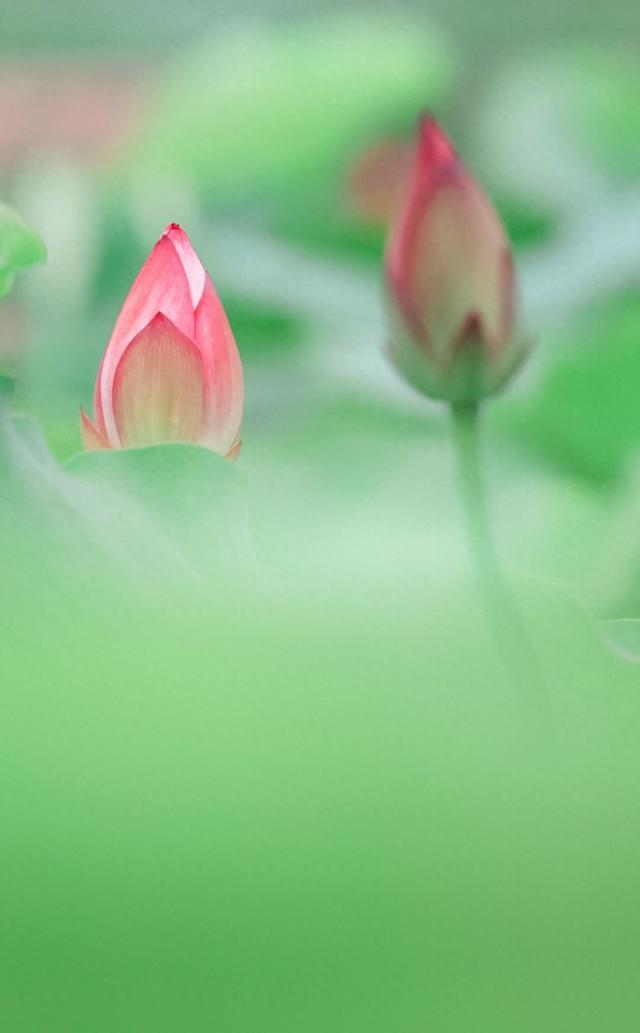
[{"x": 505, "y": 622}]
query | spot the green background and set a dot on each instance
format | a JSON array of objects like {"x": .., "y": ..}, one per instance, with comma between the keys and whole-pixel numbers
[{"x": 262, "y": 765}]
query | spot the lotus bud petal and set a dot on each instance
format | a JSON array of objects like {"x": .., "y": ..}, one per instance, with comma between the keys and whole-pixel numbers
[
  {"x": 171, "y": 370},
  {"x": 450, "y": 280}
]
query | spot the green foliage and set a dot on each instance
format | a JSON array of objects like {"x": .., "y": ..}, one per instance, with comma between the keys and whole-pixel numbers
[
  {"x": 584, "y": 415},
  {"x": 255, "y": 114},
  {"x": 238, "y": 765},
  {"x": 608, "y": 85},
  {"x": 262, "y": 329},
  {"x": 527, "y": 224},
  {"x": 624, "y": 637},
  {"x": 20, "y": 246}
]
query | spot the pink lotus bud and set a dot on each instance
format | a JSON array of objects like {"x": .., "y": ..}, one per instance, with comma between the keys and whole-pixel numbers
[
  {"x": 450, "y": 280},
  {"x": 171, "y": 371}
]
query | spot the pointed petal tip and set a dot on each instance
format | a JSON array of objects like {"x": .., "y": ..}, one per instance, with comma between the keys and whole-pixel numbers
[
  {"x": 161, "y": 321},
  {"x": 427, "y": 121},
  {"x": 435, "y": 147},
  {"x": 191, "y": 264}
]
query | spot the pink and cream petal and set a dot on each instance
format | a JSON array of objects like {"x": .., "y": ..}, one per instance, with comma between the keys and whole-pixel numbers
[
  {"x": 223, "y": 371},
  {"x": 457, "y": 267},
  {"x": 158, "y": 389},
  {"x": 161, "y": 286},
  {"x": 436, "y": 163},
  {"x": 92, "y": 439}
]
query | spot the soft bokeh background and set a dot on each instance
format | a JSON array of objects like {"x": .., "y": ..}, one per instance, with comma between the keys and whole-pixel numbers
[{"x": 262, "y": 766}]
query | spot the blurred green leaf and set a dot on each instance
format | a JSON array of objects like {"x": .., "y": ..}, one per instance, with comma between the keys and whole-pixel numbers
[
  {"x": 120, "y": 251},
  {"x": 262, "y": 330},
  {"x": 606, "y": 82},
  {"x": 176, "y": 477},
  {"x": 190, "y": 495},
  {"x": 20, "y": 246},
  {"x": 623, "y": 637},
  {"x": 261, "y": 112},
  {"x": 329, "y": 231},
  {"x": 584, "y": 416},
  {"x": 528, "y": 225}
]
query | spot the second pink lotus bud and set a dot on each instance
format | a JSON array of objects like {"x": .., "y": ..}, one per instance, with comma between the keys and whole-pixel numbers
[
  {"x": 450, "y": 281},
  {"x": 171, "y": 370}
]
